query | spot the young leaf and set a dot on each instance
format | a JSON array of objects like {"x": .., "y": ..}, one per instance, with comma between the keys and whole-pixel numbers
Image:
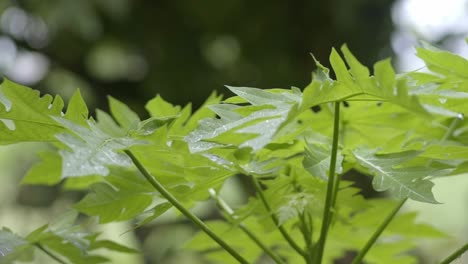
[
  {"x": 108, "y": 125},
  {"x": 404, "y": 182},
  {"x": 158, "y": 107},
  {"x": 126, "y": 118},
  {"x": 77, "y": 111}
]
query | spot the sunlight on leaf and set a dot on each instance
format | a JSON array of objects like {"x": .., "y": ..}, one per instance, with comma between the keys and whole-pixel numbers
[
  {"x": 91, "y": 150},
  {"x": 405, "y": 182}
]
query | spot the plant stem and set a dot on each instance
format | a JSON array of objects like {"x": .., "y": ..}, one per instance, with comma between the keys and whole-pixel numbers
[
  {"x": 331, "y": 195},
  {"x": 273, "y": 216},
  {"x": 455, "y": 254},
  {"x": 231, "y": 218},
  {"x": 50, "y": 254},
  {"x": 170, "y": 198},
  {"x": 306, "y": 230},
  {"x": 452, "y": 127},
  {"x": 377, "y": 233}
]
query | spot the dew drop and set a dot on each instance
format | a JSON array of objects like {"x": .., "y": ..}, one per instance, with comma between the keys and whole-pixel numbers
[{"x": 442, "y": 100}]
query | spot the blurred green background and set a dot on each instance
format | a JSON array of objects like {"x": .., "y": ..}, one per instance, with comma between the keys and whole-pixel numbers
[{"x": 183, "y": 50}]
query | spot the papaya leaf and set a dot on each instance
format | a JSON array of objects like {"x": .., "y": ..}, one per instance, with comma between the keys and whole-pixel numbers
[
  {"x": 125, "y": 195},
  {"x": 402, "y": 182},
  {"x": 241, "y": 125},
  {"x": 317, "y": 160},
  {"x": 107, "y": 124},
  {"x": 126, "y": 118},
  {"x": 158, "y": 107},
  {"x": 24, "y": 113},
  {"x": 77, "y": 111},
  {"x": 155, "y": 212},
  {"x": 63, "y": 238},
  {"x": 91, "y": 150},
  {"x": 66, "y": 239},
  {"x": 48, "y": 171},
  {"x": 357, "y": 84},
  {"x": 443, "y": 62},
  {"x": 11, "y": 245}
]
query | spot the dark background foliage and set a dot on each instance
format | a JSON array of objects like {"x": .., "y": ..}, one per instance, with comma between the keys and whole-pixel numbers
[{"x": 185, "y": 49}]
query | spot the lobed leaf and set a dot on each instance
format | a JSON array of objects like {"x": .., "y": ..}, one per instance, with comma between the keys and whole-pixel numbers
[
  {"x": 317, "y": 160},
  {"x": 402, "y": 182},
  {"x": 91, "y": 150},
  {"x": 123, "y": 196},
  {"x": 126, "y": 118}
]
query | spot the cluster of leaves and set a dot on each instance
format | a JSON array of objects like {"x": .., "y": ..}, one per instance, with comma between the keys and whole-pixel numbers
[
  {"x": 404, "y": 130},
  {"x": 63, "y": 237}
]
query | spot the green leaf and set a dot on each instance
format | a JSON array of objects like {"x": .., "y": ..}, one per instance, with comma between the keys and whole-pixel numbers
[
  {"x": 395, "y": 244},
  {"x": 257, "y": 96},
  {"x": 123, "y": 114},
  {"x": 107, "y": 124},
  {"x": 10, "y": 244},
  {"x": 158, "y": 107},
  {"x": 91, "y": 150},
  {"x": 340, "y": 69},
  {"x": 64, "y": 227},
  {"x": 111, "y": 204},
  {"x": 395, "y": 90},
  {"x": 317, "y": 160},
  {"x": 203, "y": 112},
  {"x": 297, "y": 204},
  {"x": 125, "y": 196},
  {"x": 358, "y": 85},
  {"x": 112, "y": 245},
  {"x": 238, "y": 240},
  {"x": 65, "y": 240},
  {"x": 77, "y": 111},
  {"x": 359, "y": 71},
  {"x": 252, "y": 126},
  {"x": 48, "y": 171},
  {"x": 446, "y": 152},
  {"x": 443, "y": 62},
  {"x": 156, "y": 212},
  {"x": 24, "y": 113},
  {"x": 402, "y": 182}
]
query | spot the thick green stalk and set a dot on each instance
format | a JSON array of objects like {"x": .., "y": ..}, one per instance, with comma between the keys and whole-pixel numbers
[
  {"x": 331, "y": 196},
  {"x": 455, "y": 254},
  {"x": 170, "y": 198},
  {"x": 273, "y": 216},
  {"x": 231, "y": 218},
  {"x": 375, "y": 236},
  {"x": 48, "y": 253}
]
